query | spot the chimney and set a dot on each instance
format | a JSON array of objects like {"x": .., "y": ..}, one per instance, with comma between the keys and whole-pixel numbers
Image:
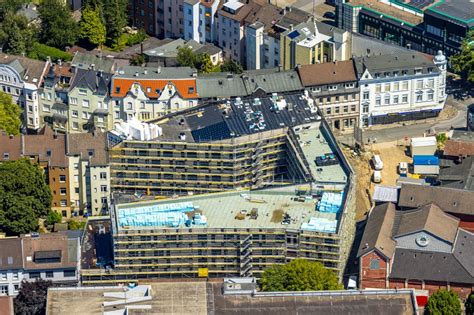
[
  {"x": 60, "y": 62},
  {"x": 159, "y": 69},
  {"x": 145, "y": 71},
  {"x": 291, "y": 27},
  {"x": 280, "y": 68},
  {"x": 136, "y": 74},
  {"x": 100, "y": 73}
]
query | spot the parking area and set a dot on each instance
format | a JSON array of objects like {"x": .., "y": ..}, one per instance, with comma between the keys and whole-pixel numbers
[{"x": 391, "y": 153}]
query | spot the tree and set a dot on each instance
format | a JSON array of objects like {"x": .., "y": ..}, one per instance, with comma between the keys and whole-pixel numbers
[
  {"x": 9, "y": 115},
  {"x": 469, "y": 305},
  {"x": 463, "y": 63},
  {"x": 443, "y": 302},
  {"x": 58, "y": 28},
  {"x": 17, "y": 35},
  {"x": 204, "y": 63},
  {"x": 53, "y": 217},
  {"x": 186, "y": 57},
  {"x": 91, "y": 28},
  {"x": 31, "y": 298},
  {"x": 12, "y": 6},
  {"x": 115, "y": 16},
  {"x": 299, "y": 275},
  {"x": 137, "y": 60},
  {"x": 76, "y": 225},
  {"x": 24, "y": 196},
  {"x": 232, "y": 66}
]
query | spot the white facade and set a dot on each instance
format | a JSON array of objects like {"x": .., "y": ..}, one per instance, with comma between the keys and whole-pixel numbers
[
  {"x": 10, "y": 281},
  {"x": 382, "y": 95},
  {"x": 199, "y": 21},
  {"x": 23, "y": 93},
  {"x": 230, "y": 33}
]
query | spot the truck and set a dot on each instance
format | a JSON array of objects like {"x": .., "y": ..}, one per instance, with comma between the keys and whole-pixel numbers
[
  {"x": 403, "y": 169},
  {"x": 377, "y": 161}
]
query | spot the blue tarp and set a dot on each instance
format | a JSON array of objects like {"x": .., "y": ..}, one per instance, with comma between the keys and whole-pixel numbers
[
  {"x": 425, "y": 160},
  {"x": 330, "y": 202}
]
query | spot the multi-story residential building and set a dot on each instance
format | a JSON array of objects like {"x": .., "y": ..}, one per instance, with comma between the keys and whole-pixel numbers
[
  {"x": 422, "y": 249},
  {"x": 335, "y": 89},
  {"x": 229, "y": 147},
  {"x": 426, "y": 26},
  {"x": 200, "y": 20},
  {"x": 400, "y": 87},
  {"x": 53, "y": 107},
  {"x": 148, "y": 93},
  {"x": 54, "y": 257},
  {"x": 89, "y": 172},
  {"x": 88, "y": 101},
  {"x": 48, "y": 150},
  {"x": 21, "y": 78},
  {"x": 145, "y": 15},
  {"x": 313, "y": 42},
  {"x": 231, "y": 28}
]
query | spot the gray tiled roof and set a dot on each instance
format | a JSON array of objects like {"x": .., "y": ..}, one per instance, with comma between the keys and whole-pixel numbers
[
  {"x": 95, "y": 81},
  {"x": 220, "y": 85},
  {"x": 451, "y": 200},
  {"x": 402, "y": 61},
  {"x": 84, "y": 61},
  {"x": 272, "y": 81}
]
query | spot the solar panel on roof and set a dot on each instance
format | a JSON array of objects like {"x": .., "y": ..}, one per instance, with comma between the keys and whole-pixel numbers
[{"x": 294, "y": 34}]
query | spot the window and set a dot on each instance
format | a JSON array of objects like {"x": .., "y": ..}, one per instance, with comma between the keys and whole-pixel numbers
[
  {"x": 377, "y": 101},
  {"x": 404, "y": 85},
  {"x": 332, "y": 87},
  {"x": 346, "y": 109},
  {"x": 418, "y": 71},
  {"x": 6, "y": 156},
  {"x": 349, "y": 85},
  {"x": 405, "y": 98},
  {"x": 129, "y": 106},
  {"x": 395, "y": 99},
  {"x": 46, "y": 108},
  {"x": 103, "y": 188},
  {"x": 103, "y": 175},
  {"x": 15, "y": 276},
  {"x": 63, "y": 203},
  {"x": 49, "y": 274},
  {"x": 16, "y": 288},
  {"x": 336, "y": 109},
  {"x": 100, "y": 119},
  {"x": 75, "y": 125},
  {"x": 62, "y": 178},
  {"x": 62, "y": 191},
  {"x": 34, "y": 275},
  {"x": 191, "y": 90},
  {"x": 430, "y": 83},
  {"x": 90, "y": 152},
  {"x": 419, "y": 98},
  {"x": 3, "y": 276},
  {"x": 387, "y": 100},
  {"x": 430, "y": 96},
  {"x": 85, "y": 103},
  {"x": 365, "y": 108},
  {"x": 117, "y": 115},
  {"x": 103, "y": 200},
  {"x": 419, "y": 84},
  {"x": 4, "y": 289},
  {"x": 328, "y": 111},
  {"x": 378, "y": 88},
  {"x": 82, "y": 92},
  {"x": 374, "y": 264},
  {"x": 73, "y": 100},
  {"x": 85, "y": 115},
  {"x": 386, "y": 87},
  {"x": 69, "y": 273}
]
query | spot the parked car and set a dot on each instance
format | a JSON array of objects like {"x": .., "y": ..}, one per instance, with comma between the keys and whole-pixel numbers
[
  {"x": 377, "y": 161},
  {"x": 403, "y": 169},
  {"x": 377, "y": 177},
  {"x": 329, "y": 15}
]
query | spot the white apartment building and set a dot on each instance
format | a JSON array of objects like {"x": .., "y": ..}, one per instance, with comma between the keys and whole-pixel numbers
[
  {"x": 400, "y": 87},
  {"x": 21, "y": 78},
  {"x": 199, "y": 20},
  {"x": 149, "y": 93}
]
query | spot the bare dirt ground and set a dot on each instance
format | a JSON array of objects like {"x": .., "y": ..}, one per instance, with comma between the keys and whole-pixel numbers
[{"x": 392, "y": 153}]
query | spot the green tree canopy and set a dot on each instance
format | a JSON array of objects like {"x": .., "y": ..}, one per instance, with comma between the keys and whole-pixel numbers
[
  {"x": 469, "y": 305},
  {"x": 115, "y": 16},
  {"x": 58, "y": 28},
  {"x": 32, "y": 297},
  {"x": 9, "y": 115},
  {"x": 299, "y": 275},
  {"x": 233, "y": 66},
  {"x": 443, "y": 302},
  {"x": 204, "y": 63},
  {"x": 91, "y": 28},
  {"x": 24, "y": 196},
  {"x": 186, "y": 57},
  {"x": 16, "y": 34},
  {"x": 463, "y": 63},
  {"x": 53, "y": 217}
]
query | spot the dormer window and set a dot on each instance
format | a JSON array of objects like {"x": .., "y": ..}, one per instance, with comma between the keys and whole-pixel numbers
[
  {"x": 404, "y": 72},
  {"x": 117, "y": 89},
  {"x": 418, "y": 71},
  {"x": 190, "y": 90},
  {"x": 377, "y": 75}
]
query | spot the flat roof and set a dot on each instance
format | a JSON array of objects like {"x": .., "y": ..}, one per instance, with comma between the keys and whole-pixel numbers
[
  {"x": 388, "y": 10},
  {"x": 460, "y": 10},
  {"x": 232, "y": 118},
  {"x": 222, "y": 209},
  {"x": 199, "y": 297}
]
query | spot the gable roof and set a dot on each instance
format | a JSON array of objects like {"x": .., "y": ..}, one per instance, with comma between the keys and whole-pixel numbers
[
  {"x": 457, "y": 201},
  {"x": 271, "y": 81},
  {"x": 96, "y": 81},
  {"x": 47, "y": 245},
  {"x": 11, "y": 254},
  {"x": 455, "y": 147},
  {"x": 378, "y": 231},
  {"x": 47, "y": 146},
  {"x": 84, "y": 144},
  {"x": 460, "y": 176},
  {"x": 429, "y": 218},
  {"x": 30, "y": 70},
  {"x": 327, "y": 73}
]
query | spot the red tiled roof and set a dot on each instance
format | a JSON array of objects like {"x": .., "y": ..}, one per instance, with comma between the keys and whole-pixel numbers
[
  {"x": 458, "y": 148},
  {"x": 186, "y": 88}
]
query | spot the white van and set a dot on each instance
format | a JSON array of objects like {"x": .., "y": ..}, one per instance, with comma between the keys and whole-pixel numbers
[
  {"x": 377, "y": 177},
  {"x": 378, "y": 164}
]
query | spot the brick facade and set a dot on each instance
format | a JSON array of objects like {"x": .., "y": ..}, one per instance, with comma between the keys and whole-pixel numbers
[{"x": 373, "y": 278}]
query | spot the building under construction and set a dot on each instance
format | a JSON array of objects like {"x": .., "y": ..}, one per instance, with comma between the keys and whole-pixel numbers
[{"x": 283, "y": 190}]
